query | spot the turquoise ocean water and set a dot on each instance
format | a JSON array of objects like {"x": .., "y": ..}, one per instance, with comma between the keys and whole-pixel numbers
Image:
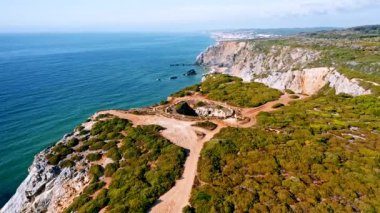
[{"x": 49, "y": 83}]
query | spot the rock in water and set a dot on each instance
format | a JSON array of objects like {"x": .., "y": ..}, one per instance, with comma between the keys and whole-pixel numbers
[
  {"x": 183, "y": 108},
  {"x": 173, "y": 77},
  {"x": 190, "y": 73}
]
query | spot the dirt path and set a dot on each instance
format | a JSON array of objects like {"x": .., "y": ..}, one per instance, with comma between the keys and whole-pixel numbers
[{"x": 183, "y": 134}]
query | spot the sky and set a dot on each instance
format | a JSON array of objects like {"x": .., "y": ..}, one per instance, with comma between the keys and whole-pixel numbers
[{"x": 174, "y": 15}]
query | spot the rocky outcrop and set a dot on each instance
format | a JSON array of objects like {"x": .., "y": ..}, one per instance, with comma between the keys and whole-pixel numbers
[
  {"x": 310, "y": 81},
  {"x": 208, "y": 111},
  {"x": 190, "y": 73},
  {"x": 279, "y": 67},
  {"x": 248, "y": 59},
  {"x": 48, "y": 188}
]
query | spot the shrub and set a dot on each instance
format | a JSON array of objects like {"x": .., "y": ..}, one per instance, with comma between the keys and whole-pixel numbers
[
  {"x": 289, "y": 91},
  {"x": 82, "y": 148},
  {"x": 93, "y": 187},
  {"x": 114, "y": 154},
  {"x": 67, "y": 163},
  {"x": 97, "y": 145},
  {"x": 76, "y": 158},
  {"x": 109, "y": 145},
  {"x": 73, "y": 142},
  {"x": 278, "y": 105},
  {"x": 84, "y": 132},
  {"x": 93, "y": 157},
  {"x": 110, "y": 169},
  {"x": 206, "y": 125},
  {"x": 294, "y": 97},
  {"x": 200, "y": 104},
  {"x": 96, "y": 204},
  {"x": 96, "y": 171},
  {"x": 79, "y": 128},
  {"x": 77, "y": 203},
  {"x": 188, "y": 209},
  {"x": 53, "y": 159}
]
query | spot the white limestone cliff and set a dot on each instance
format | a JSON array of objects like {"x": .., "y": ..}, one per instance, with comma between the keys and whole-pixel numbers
[
  {"x": 279, "y": 67},
  {"x": 48, "y": 188}
]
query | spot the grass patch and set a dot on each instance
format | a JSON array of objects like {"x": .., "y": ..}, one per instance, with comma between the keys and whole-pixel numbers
[
  {"x": 278, "y": 105},
  {"x": 206, "y": 125}
]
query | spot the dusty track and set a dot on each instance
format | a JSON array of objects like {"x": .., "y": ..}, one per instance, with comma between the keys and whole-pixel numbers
[{"x": 183, "y": 134}]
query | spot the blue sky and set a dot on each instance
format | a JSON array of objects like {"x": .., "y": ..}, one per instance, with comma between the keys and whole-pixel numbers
[{"x": 174, "y": 15}]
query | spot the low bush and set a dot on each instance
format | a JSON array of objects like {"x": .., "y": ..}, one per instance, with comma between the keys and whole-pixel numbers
[
  {"x": 95, "y": 205},
  {"x": 289, "y": 91},
  {"x": 96, "y": 171},
  {"x": 114, "y": 154},
  {"x": 73, "y": 142},
  {"x": 77, "y": 203},
  {"x": 206, "y": 125},
  {"x": 76, "y": 158},
  {"x": 110, "y": 169},
  {"x": 67, "y": 163},
  {"x": 93, "y": 187},
  {"x": 93, "y": 157},
  {"x": 278, "y": 105},
  {"x": 294, "y": 97},
  {"x": 97, "y": 145},
  {"x": 53, "y": 159},
  {"x": 109, "y": 145}
]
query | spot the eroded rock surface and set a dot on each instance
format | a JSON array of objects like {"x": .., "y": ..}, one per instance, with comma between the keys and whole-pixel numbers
[
  {"x": 279, "y": 67},
  {"x": 47, "y": 188}
]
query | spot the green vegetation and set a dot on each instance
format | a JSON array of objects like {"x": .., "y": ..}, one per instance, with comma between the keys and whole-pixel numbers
[
  {"x": 109, "y": 145},
  {"x": 96, "y": 171},
  {"x": 67, "y": 163},
  {"x": 93, "y": 157},
  {"x": 278, "y": 105},
  {"x": 114, "y": 154},
  {"x": 77, "y": 203},
  {"x": 289, "y": 91},
  {"x": 233, "y": 90},
  {"x": 145, "y": 166},
  {"x": 73, "y": 142},
  {"x": 206, "y": 125},
  {"x": 187, "y": 91},
  {"x": 110, "y": 169},
  {"x": 93, "y": 187},
  {"x": 59, "y": 152},
  {"x": 325, "y": 157}
]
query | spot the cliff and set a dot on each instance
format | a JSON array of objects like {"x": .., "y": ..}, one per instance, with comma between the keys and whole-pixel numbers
[
  {"x": 277, "y": 66},
  {"x": 49, "y": 188}
]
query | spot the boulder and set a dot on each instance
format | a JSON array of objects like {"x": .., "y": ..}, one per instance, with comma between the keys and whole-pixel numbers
[{"x": 191, "y": 72}]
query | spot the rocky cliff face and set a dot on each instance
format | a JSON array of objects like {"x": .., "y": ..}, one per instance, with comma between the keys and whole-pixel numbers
[
  {"x": 280, "y": 67},
  {"x": 49, "y": 188}
]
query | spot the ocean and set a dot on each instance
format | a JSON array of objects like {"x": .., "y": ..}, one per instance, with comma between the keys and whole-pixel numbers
[{"x": 50, "y": 83}]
